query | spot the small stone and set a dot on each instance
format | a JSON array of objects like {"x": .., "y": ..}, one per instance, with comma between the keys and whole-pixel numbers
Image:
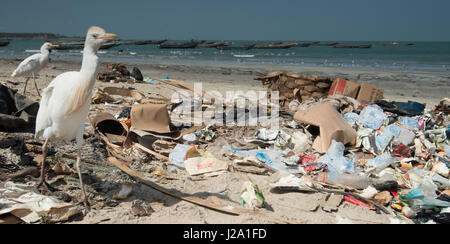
[{"x": 383, "y": 198}]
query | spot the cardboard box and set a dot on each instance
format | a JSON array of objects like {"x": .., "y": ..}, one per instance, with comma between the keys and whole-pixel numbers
[
  {"x": 364, "y": 93},
  {"x": 344, "y": 87},
  {"x": 368, "y": 94}
]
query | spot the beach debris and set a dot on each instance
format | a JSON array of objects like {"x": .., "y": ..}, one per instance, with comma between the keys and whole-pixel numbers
[
  {"x": 124, "y": 92},
  {"x": 141, "y": 209},
  {"x": 251, "y": 197},
  {"x": 332, "y": 126},
  {"x": 295, "y": 86},
  {"x": 124, "y": 192},
  {"x": 136, "y": 74},
  {"x": 26, "y": 203},
  {"x": 16, "y": 110},
  {"x": 443, "y": 106},
  {"x": 364, "y": 93},
  {"x": 206, "y": 166}
]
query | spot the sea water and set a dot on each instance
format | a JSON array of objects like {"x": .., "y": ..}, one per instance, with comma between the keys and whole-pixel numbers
[{"x": 422, "y": 55}]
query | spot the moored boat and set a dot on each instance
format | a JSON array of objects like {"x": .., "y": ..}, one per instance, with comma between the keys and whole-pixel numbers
[
  {"x": 211, "y": 44},
  {"x": 353, "y": 46},
  {"x": 4, "y": 43},
  {"x": 276, "y": 45},
  {"x": 80, "y": 45},
  {"x": 242, "y": 47},
  {"x": 182, "y": 45}
]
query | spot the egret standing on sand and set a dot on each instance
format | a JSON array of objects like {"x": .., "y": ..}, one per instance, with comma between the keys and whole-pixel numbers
[
  {"x": 65, "y": 102},
  {"x": 34, "y": 64}
]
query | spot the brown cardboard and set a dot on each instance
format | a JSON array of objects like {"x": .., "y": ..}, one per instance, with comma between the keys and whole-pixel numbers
[
  {"x": 368, "y": 94},
  {"x": 332, "y": 126},
  {"x": 344, "y": 87}
]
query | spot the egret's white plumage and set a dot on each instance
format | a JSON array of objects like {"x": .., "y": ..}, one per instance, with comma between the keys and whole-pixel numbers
[
  {"x": 65, "y": 102},
  {"x": 32, "y": 65}
]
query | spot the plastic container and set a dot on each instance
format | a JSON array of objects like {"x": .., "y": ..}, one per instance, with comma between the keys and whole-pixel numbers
[{"x": 372, "y": 117}]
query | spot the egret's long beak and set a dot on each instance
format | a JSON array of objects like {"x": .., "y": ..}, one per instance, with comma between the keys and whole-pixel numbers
[
  {"x": 54, "y": 46},
  {"x": 108, "y": 36}
]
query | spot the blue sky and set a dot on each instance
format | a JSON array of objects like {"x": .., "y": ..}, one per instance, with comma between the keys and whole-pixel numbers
[{"x": 341, "y": 20}]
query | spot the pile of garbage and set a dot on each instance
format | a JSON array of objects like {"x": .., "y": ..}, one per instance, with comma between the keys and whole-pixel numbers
[
  {"x": 390, "y": 157},
  {"x": 116, "y": 73},
  {"x": 295, "y": 87},
  {"x": 382, "y": 160}
]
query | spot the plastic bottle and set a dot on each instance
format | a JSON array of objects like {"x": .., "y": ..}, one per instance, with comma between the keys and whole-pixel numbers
[{"x": 351, "y": 180}]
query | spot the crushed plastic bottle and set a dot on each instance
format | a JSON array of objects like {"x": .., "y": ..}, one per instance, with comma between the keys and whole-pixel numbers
[
  {"x": 372, "y": 117},
  {"x": 410, "y": 123},
  {"x": 335, "y": 159}
]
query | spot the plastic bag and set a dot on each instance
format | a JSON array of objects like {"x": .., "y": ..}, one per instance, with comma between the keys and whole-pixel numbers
[
  {"x": 372, "y": 117},
  {"x": 178, "y": 154},
  {"x": 335, "y": 159},
  {"x": 410, "y": 123},
  {"x": 381, "y": 162}
]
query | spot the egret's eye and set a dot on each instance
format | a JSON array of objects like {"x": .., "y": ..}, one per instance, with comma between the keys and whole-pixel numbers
[{"x": 95, "y": 36}]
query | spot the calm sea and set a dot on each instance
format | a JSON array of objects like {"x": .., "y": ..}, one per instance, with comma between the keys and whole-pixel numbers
[{"x": 422, "y": 55}]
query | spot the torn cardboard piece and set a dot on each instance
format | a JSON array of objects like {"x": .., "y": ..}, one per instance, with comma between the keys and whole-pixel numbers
[
  {"x": 332, "y": 126},
  {"x": 206, "y": 166}
]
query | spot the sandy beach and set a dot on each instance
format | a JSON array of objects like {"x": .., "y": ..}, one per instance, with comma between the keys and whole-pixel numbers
[
  {"x": 424, "y": 86},
  {"x": 399, "y": 85}
]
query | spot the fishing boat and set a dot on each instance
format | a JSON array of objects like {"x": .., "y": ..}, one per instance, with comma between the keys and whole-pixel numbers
[
  {"x": 212, "y": 44},
  {"x": 242, "y": 47},
  {"x": 4, "y": 43},
  {"x": 181, "y": 45},
  {"x": 327, "y": 44},
  {"x": 276, "y": 45},
  {"x": 353, "y": 46},
  {"x": 149, "y": 42},
  {"x": 80, "y": 45}
]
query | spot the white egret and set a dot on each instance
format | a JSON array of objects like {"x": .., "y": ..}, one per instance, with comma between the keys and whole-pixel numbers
[
  {"x": 65, "y": 102},
  {"x": 32, "y": 65}
]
